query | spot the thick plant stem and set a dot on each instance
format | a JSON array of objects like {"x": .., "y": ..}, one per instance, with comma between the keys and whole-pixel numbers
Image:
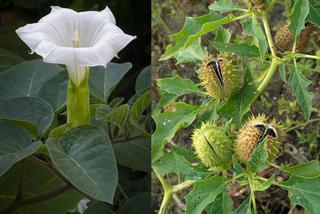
[
  {"x": 167, "y": 193},
  {"x": 275, "y": 60},
  {"x": 183, "y": 185},
  {"x": 253, "y": 199},
  {"x": 78, "y": 103}
]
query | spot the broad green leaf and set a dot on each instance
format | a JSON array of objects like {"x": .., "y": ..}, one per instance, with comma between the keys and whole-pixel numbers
[
  {"x": 239, "y": 103},
  {"x": 238, "y": 49},
  {"x": 257, "y": 162},
  {"x": 194, "y": 53},
  {"x": 236, "y": 166},
  {"x": 118, "y": 115},
  {"x": 143, "y": 81},
  {"x": 298, "y": 16},
  {"x": 103, "y": 81},
  {"x": 98, "y": 208},
  {"x": 178, "y": 86},
  {"x": 55, "y": 90},
  {"x": 244, "y": 208},
  {"x": 314, "y": 13},
  {"x": 33, "y": 113},
  {"x": 304, "y": 192},
  {"x": 299, "y": 86},
  {"x": 180, "y": 161},
  {"x": 224, "y": 6},
  {"x": 137, "y": 204},
  {"x": 257, "y": 186},
  {"x": 85, "y": 157},
  {"x": 168, "y": 123},
  {"x": 15, "y": 145},
  {"x": 222, "y": 205},
  {"x": 37, "y": 180},
  {"x": 193, "y": 29},
  {"x": 282, "y": 71},
  {"x": 8, "y": 59},
  {"x": 134, "y": 154},
  {"x": 204, "y": 193},
  {"x": 222, "y": 35},
  {"x": 258, "y": 33},
  {"x": 137, "y": 109},
  {"x": 26, "y": 78},
  {"x": 307, "y": 170}
]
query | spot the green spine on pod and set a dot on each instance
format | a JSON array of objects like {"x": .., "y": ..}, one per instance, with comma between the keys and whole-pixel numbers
[{"x": 213, "y": 145}]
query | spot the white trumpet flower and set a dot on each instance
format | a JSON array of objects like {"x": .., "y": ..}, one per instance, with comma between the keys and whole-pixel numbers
[{"x": 77, "y": 40}]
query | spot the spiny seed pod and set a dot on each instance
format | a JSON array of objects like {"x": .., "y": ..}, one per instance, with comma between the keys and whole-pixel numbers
[
  {"x": 284, "y": 41},
  {"x": 254, "y": 132},
  {"x": 213, "y": 145},
  {"x": 221, "y": 76}
]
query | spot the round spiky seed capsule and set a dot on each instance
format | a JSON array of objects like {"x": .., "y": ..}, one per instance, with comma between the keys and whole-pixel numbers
[
  {"x": 221, "y": 76},
  {"x": 284, "y": 41},
  {"x": 213, "y": 145},
  {"x": 255, "y": 131}
]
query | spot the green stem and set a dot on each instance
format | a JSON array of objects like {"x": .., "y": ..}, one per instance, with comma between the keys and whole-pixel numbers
[
  {"x": 167, "y": 193},
  {"x": 252, "y": 198},
  {"x": 183, "y": 185},
  {"x": 78, "y": 103},
  {"x": 299, "y": 55},
  {"x": 275, "y": 60}
]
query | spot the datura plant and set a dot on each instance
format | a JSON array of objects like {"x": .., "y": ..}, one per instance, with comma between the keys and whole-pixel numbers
[
  {"x": 64, "y": 132},
  {"x": 231, "y": 147}
]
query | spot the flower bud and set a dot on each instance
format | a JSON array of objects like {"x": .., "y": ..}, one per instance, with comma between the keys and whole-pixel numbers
[
  {"x": 254, "y": 132},
  {"x": 221, "y": 76},
  {"x": 213, "y": 145}
]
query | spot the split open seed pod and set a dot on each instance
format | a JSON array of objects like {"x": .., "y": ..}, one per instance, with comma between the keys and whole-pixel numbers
[
  {"x": 221, "y": 76},
  {"x": 254, "y": 132}
]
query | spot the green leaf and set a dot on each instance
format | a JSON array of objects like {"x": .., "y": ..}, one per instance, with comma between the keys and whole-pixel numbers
[
  {"x": 307, "y": 170},
  {"x": 282, "y": 71},
  {"x": 143, "y": 81},
  {"x": 259, "y": 35},
  {"x": 37, "y": 180},
  {"x": 137, "y": 204},
  {"x": 85, "y": 157},
  {"x": 222, "y": 35},
  {"x": 224, "y": 6},
  {"x": 298, "y": 16},
  {"x": 314, "y": 14},
  {"x": 180, "y": 161},
  {"x": 193, "y": 29},
  {"x": 244, "y": 208},
  {"x": 15, "y": 145},
  {"x": 257, "y": 186},
  {"x": 204, "y": 193},
  {"x": 257, "y": 162},
  {"x": 33, "y": 113},
  {"x": 117, "y": 116},
  {"x": 238, "y": 49},
  {"x": 103, "y": 81},
  {"x": 239, "y": 103},
  {"x": 55, "y": 90},
  {"x": 8, "y": 59},
  {"x": 137, "y": 109},
  {"x": 178, "y": 86},
  {"x": 236, "y": 166},
  {"x": 134, "y": 154},
  {"x": 299, "y": 86},
  {"x": 222, "y": 205},
  {"x": 304, "y": 192},
  {"x": 98, "y": 208},
  {"x": 26, "y": 78},
  {"x": 168, "y": 123},
  {"x": 194, "y": 53}
]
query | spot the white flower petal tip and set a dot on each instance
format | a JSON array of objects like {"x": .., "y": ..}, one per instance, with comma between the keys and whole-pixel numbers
[{"x": 97, "y": 38}]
